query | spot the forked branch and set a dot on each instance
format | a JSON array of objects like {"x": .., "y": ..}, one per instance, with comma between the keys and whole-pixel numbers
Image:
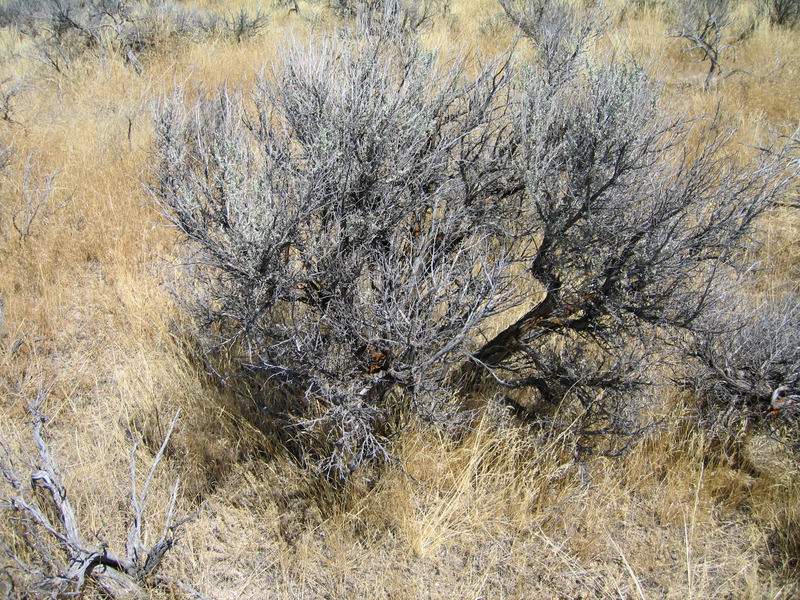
[{"x": 62, "y": 560}]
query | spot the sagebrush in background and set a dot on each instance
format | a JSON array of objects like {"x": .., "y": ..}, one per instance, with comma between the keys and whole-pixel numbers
[
  {"x": 64, "y": 30},
  {"x": 706, "y": 26},
  {"x": 560, "y": 31},
  {"x": 402, "y": 16},
  {"x": 29, "y": 199},
  {"x": 10, "y": 90},
  {"x": 241, "y": 25},
  {"x": 784, "y": 13}
]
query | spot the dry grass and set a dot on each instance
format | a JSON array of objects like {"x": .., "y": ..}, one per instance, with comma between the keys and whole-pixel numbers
[{"x": 501, "y": 513}]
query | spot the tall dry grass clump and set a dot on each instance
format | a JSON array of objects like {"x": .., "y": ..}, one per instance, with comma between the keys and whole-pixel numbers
[{"x": 509, "y": 504}]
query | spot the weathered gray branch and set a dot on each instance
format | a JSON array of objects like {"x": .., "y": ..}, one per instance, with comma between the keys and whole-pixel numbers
[{"x": 119, "y": 576}]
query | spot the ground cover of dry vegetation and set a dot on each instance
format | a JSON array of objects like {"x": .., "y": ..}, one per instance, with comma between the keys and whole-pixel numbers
[{"x": 704, "y": 505}]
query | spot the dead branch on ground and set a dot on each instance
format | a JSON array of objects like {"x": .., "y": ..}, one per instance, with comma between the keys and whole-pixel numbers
[{"x": 58, "y": 561}]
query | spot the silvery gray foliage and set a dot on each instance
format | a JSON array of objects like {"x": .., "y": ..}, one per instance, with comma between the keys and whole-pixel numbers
[
  {"x": 560, "y": 30},
  {"x": 357, "y": 231},
  {"x": 348, "y": 233},
  {"x": 747, "y": 356}
]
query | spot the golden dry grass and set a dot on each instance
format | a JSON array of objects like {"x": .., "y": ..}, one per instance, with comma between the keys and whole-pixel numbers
[{"x": 500, "y": 513}]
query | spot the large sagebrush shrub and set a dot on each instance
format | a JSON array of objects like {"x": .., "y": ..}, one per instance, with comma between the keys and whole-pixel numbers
[
  {"x": 359, "y": 225},
  {"x": 349, "y": 230}
]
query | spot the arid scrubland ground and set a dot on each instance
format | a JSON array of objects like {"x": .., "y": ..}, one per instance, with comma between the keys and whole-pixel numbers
[{"x": 502, "y": 511}]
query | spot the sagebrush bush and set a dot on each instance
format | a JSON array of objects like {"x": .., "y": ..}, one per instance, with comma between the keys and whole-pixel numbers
[
  {"x": 66, "y": 29},
  {"x": 748, "y": 361},
  {"x": 350, "y": 233},
  {"x": 356, "y": 234},
  {"x": 782, "y": 12}
]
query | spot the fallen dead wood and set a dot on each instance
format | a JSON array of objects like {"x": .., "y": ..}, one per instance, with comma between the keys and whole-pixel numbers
[{"x": 61, "y": 561}]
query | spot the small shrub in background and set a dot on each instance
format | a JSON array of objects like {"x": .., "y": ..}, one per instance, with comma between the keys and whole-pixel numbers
[
  {"x": 785, "y": 13},
  {"x": 560, "y": 32},
  {"x": 10, "y": 90},
  {"x": 241, "y": 25},
  {"x": 706, "y": 26},
  {"x": 401, "y": 15},
  {"x": 66, "y": 29},
  {"x": 640, "y": 6},
  {"x": 29, "y": 198}
]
